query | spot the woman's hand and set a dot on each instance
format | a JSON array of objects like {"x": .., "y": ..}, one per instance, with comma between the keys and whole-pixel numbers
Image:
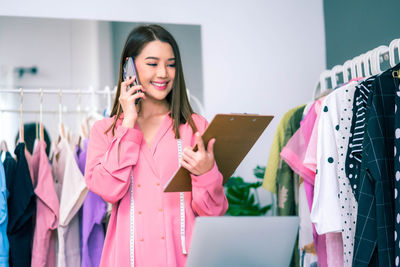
[
  {"x": 127, "y": 99},
  {"x": 202, "y": 160}
]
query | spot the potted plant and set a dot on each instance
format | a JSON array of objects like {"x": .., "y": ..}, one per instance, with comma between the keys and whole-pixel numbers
[{"x": 243, "y": 197}]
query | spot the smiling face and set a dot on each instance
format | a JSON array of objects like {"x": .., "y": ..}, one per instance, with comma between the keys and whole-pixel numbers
[{"x": 155, "y": 66}]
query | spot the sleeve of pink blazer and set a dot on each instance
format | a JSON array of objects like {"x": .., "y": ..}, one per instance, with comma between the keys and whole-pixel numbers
[
  {"x": 207, "y": 190},
  {"x": 109, "y": 161}
]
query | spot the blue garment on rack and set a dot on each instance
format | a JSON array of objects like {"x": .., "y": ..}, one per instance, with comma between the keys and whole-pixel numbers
[{"x": 4, "y": 244}]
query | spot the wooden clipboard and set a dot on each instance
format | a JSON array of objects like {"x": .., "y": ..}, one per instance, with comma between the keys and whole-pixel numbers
[{"x": 235, "y": 135}]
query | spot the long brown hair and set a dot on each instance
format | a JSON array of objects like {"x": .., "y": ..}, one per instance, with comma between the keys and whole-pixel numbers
[{"x": 181, "y": 111}]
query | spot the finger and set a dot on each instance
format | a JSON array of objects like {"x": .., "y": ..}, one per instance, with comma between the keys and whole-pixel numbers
[
  {"x": 210, "y": 147},
  {"x": 186, "y": 165},
  {"x": 126, "y": 83},
  {"x": 189, "y": 153},
  {"x": 132, "y": 90},
  {"x": 199, "y": 142},
  {"x": 136, "y": 96}
]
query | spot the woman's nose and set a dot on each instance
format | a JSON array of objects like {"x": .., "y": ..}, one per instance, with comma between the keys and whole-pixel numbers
[{"x": 162, "y": 72}]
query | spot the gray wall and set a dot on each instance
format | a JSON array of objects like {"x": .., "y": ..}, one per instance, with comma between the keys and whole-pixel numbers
[{"x": 354, "y": 27}]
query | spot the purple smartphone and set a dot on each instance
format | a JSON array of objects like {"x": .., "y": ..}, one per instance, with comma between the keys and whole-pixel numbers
[{"x": 129, "y": 71}]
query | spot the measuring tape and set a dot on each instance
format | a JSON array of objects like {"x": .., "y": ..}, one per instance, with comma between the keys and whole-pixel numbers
[
  {"x": 132, "y": 226},
  {"x": 182, "y": 204}
]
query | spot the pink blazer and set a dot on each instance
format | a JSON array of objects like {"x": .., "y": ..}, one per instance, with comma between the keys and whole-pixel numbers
[{"x": 157, "y": 233}]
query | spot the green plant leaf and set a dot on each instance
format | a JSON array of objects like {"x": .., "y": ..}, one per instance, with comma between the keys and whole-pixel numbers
[
  {"x": 265, "y": 209},
  {"x": 259, "y": 172}
]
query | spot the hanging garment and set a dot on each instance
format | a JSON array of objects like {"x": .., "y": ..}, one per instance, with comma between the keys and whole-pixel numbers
[
  {"x": 397, "y": 175},
  {"x": 308, "y": 252},
  {"x": 374, "y": 237},
  {"x": 21, "y": 208},
  {"x": 94, "y": 209},
  {"x": 310, "y": 157},
  {"x": 157, "y": 215},
  {"x": 294, "y": 151},
  {"x": 293, "y": 154},
  {"x": 71, "y": 190},
  {"x": 4, "y": 244},
  {"x": 286, "y": 180},
  {"x": 332, "y": 193},
  {"x": 354, "y": 151},
  {"x": 47, "y": 210},
  {"x": 28, "y": 157},
  {"x": 280, "y": 139}
]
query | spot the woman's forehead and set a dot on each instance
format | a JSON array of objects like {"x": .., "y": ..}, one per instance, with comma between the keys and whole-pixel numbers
[{"x": 157, "y": 49}]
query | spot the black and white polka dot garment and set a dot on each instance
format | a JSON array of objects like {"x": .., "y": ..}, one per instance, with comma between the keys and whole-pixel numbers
[
  {"x": 348, "y": 203},
  {"x": 397, "y": 174}
]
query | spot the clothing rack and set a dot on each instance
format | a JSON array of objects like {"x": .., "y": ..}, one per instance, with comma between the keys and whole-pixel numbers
[
  {"x": 364, "y": 65},
  {"x": 91, "y": 91}
]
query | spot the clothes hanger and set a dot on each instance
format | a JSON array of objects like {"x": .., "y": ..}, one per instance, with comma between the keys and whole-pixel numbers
[
  {"x": 196, "y": 100},
  {"x": 21, "y": 123},
  {"x": 323, "y": 77},
  {"x": 398, "y": 48},
  {"x": 334, "y": 72},
  {"x": 380, "y": 54},
  {"x": 365, "y": 64},
  {"x": 359, "y": 66},
  {"x": 393, "y": 44},
  {"x": 93, "y": 115},
  {"x": 3, "y": 148},
  {"x": 370, "y": 61},
  {"x": 41, "y": 136},
  {"x": 60, "y": 111},
  {"x": 348, "y": 65},
  {"x": 108, "y": 95}
]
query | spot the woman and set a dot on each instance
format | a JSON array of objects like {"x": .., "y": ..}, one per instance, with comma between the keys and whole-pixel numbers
[{"x": 134, "y": 153}]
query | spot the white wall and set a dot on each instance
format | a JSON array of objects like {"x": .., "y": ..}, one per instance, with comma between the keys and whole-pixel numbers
[
  {"x": 258, "y": 56},
  {"x": 67, "y": 54}
]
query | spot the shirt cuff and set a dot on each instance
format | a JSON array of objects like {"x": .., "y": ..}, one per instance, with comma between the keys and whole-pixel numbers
[{"x": 213, "y": 176}]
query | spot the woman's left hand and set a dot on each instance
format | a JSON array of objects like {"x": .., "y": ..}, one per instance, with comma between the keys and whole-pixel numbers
[{"x": 202, "y": 160}]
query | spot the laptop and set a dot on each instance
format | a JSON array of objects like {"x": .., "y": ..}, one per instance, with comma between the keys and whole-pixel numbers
[{"x": 243, "y": 241}]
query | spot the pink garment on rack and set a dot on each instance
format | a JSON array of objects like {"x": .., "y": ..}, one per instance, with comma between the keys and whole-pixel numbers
[
  {"x": 111, "y": 160},
  {"x": 334, "y": 249},
  {"x": 294, "y": 154},
  {"x": 294, "y": 151},
  {"x": 310, "y": 157},
  {"x": 47, "y": 210}
]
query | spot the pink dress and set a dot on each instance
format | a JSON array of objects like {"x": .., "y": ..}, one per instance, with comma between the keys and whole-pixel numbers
[{"x": 113, "y": 160}]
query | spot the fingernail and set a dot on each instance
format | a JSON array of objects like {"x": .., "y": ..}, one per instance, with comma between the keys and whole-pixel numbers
[{"x": 197, "y": 134}]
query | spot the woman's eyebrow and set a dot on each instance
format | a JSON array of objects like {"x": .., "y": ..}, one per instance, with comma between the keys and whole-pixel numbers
[{"x": 156, "y": 58}]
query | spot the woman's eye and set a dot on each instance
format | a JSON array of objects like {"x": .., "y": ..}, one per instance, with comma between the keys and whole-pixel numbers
[
  {"x": 172, "y": 65},
  {"x": 152, "y": 64}
]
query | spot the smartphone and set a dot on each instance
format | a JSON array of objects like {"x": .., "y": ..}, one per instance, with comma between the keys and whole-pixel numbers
[{"x": 129, "y": 71}]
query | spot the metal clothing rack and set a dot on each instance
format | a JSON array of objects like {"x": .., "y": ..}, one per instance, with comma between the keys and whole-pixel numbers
[
  {"x": 60, "y": 92},
  {"x": 364, "y": 65},
  {"x": 21, "y": 91}
]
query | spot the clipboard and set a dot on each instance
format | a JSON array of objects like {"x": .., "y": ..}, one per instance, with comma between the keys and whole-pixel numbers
[{"x": 235, "y": 135}]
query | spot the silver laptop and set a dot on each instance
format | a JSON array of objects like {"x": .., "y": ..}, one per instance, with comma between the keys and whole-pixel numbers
[{"x": 243, "y": 241}]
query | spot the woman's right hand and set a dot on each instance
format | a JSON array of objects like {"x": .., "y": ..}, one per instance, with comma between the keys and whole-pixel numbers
[{"x": 127, "y": 99}]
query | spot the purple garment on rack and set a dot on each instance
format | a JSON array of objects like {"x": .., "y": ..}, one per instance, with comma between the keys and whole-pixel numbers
[{"x": 93, "y": 210}]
